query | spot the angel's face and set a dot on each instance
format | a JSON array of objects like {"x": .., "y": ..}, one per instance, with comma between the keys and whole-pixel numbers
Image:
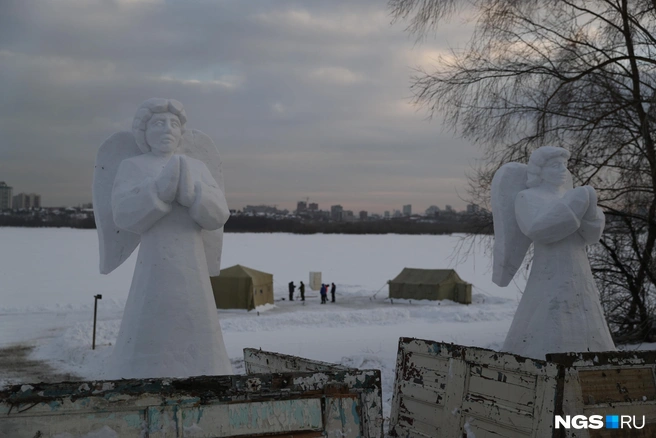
[
  {"x": 555, "y": 171},
  {"x": 163, "y": 133}
]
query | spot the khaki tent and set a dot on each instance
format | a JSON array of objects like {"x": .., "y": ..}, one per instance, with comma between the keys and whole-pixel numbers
[
  {"x": 239, "y": 287},
  {"x": 430, "y": 284}
]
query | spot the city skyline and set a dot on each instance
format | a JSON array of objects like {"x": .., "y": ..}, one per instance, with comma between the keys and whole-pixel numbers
[
  {"x": 357, "y": 210},
  {"x": 302, "y": 99}
]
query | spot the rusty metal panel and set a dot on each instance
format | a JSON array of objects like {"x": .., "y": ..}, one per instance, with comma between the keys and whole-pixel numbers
[
  {"x": 420, "y": 391},
  {"x": 617, "y": 385},
  {"x": 612, "y": 383},
  {"x": 505, "y": 394},
  {"x": 546, "y": 402},
  {"x": 487, "y": 427},
  {"x": 450, "y": 390},
  {"x": 220, "y": 406},
  {"x": 342, "y": 414},
  {"x": 258, "y": 361},
  {"x": 648, "y": 432},
  {"x": 648, "y": 411},
  {"x": 371, "y": 413},
  {"x": 369, "y": 405},
  {"x": 125, "y": 424},
  {"x": 238, "y": 419},
  {"x": 293, "y": 435}
]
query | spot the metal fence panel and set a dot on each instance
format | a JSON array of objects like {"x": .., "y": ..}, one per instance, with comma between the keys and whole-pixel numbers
[
  {"x": 299, "y": 403},
  {"x": 450, "y": 390}
]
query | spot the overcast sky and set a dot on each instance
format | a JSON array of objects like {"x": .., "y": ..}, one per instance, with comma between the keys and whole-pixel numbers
[{"x": 302, "y": 98}]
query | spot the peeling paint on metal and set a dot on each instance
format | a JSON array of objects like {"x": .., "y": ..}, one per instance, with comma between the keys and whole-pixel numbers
[
  {"x": 355, "y": 413},
  {"x": 217, "y": 406},
  {"x": 439, "y": 394}
]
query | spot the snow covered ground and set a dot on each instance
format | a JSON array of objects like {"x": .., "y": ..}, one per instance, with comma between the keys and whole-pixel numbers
[{"x": 48, "y": 278}]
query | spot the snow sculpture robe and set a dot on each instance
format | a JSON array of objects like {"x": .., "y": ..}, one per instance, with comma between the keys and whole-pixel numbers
[
  {"x": 560, "y": 310},
  {"x": 170, "y": 326}
]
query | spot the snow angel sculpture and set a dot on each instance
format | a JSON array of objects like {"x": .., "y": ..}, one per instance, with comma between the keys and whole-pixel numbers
[
  {"x": 161, "y": 186},
  {"x": 559, "y": 310}
]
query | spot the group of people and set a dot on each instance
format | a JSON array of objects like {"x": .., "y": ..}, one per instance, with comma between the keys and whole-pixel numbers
[
  {"x": 323, "y": 291},
  {"x": 292, "y": 288}
]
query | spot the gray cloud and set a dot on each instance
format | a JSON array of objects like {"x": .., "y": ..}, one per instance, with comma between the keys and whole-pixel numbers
[{"x": 303, "y": 99}]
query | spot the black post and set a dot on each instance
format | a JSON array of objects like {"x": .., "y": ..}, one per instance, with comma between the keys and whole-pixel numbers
[{"x": 95, "y": 311}]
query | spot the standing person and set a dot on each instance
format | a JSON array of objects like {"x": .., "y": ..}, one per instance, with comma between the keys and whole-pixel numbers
[
  {"x": 291, "y": 290},
  {"x": 301, "y": 289},
  {"x": 323, "y": 293},
  {"x": 332, "y": 292}
]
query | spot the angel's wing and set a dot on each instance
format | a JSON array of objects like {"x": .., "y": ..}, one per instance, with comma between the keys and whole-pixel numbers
[
  {"x": 115, "y": 244},
  {"x": 510, "y": 244},
  {"x": 197, "y": 145}
]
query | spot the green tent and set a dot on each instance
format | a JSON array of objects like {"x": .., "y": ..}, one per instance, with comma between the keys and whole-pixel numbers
[
  {"x": 430, "y": 284},
  {"x": 239, "y": 287}
]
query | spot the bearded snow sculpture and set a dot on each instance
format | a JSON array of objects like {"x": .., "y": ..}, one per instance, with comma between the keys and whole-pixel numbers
[
  {"x": 161, "y": 186},
  {"x": 560, "y": 309}
]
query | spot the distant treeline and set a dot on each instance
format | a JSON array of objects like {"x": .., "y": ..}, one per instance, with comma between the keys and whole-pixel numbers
[
  {"x": 255, "y": 224},
  {"x": 48, "y": 222},
  {"x": 264, "y": 224}
]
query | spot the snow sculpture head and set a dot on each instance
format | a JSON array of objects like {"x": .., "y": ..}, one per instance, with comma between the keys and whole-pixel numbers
[
  {"x": 156, "y": 120},
  {"x": 548, "y": 164},
  {"x": 536, "y": 204}
]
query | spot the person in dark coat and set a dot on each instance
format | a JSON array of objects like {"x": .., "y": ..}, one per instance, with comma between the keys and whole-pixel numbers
[
  {"x": 291, "y": 290},
  {"x": 301, "y": 289},
  {"x": 324, "y": 293},
  {"x": 332, "y": 292}
]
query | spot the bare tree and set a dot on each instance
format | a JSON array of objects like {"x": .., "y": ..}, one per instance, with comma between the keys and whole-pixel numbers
[{"x": 580, "y": 74}]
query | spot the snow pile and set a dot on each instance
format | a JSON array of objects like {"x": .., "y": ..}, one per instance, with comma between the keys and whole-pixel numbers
[
  {"x": 265, "y": 308},
  {"x": 71, "y": 351}
]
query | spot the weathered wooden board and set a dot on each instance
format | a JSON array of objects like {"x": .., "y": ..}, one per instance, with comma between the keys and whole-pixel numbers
[{"x": 280, "y": 404}]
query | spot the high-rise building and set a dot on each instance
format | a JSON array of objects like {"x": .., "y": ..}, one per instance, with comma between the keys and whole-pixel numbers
[
  {"x": 363, "y": 215},
  {"x": 348, "y": 216},
  {"x": 448, "y": 213},
  {"x": 473, "y": 209},
  {"x": 5, "y": 196},
  {"x": 313, "y": 206},
  {"x": 264, "y": 209},
  {"x": 301, "y": 207},
  {"x": 386, "y": 215},
  {"x": 432, "y": 210},
  {"x": 407, "y": 210},
  {"x": 26, "y": 200},
  {"x": 336, "y": 212}
]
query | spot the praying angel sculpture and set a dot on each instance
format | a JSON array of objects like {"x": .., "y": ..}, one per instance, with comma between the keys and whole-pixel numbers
[
  {"x": 560, "y": 309},
  {"x": 161, "y": 186}
]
